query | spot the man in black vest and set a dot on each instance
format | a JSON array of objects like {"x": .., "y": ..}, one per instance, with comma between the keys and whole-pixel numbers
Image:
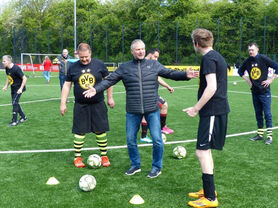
[{"x": 139, "y": 77}]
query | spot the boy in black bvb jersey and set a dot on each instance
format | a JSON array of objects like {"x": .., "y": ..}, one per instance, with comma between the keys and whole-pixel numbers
[
  {"x": 90, "y": 114},
  {"x": 213, "y": 109},
  {"x": 17, "y": 80},
  {"x": 257, "y": 67}
]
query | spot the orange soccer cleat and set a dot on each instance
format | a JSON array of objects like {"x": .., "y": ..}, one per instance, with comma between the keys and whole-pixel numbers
[
  {"x": 78, "y": 162},
  {"x": 105, "y": 161}
]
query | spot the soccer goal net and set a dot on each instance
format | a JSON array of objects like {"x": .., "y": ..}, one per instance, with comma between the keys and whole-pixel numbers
[{"x": 32, "y": 62}]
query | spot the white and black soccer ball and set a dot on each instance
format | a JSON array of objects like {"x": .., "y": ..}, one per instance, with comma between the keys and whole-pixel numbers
[
  {"x": 94, "y": 161},
  {"x": 179, "y": 152},
  {"x": 164, "y": 138},
  {"x": 87, "y": 183}
]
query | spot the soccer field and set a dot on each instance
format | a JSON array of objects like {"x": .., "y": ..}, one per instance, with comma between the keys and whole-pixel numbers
[{"x": 32, "y": 152}]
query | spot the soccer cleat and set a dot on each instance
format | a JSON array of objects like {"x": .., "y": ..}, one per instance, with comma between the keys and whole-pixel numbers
[
  {"x": 105, "y": 161},
  {"x": 133, "y": 170},
  {"x": 198, "y": 194},
  {"x": 203, "y": 202},
  {"x": 256, "y": 138},
  {"x": 13, "y": 123},
  {"x": 21, "y": 120},
  {"x": 154, "y": 173},
  {"x": 166, "y": 130},
  {"x": 78, "y": 162},
  {"x": 146, "y": 140},
  {"x": 269, "y": 140}
]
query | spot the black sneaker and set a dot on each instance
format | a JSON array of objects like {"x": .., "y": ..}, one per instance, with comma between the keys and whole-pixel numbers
[
  {"x": 154, "y": 173},
  {"x": 269, "y": 140},
  {"x": 256, "y": 138},
  {"x": 13, "y": 123},
  {"x": 133, "y": 170},
  {"x": 21, "y": 120}
]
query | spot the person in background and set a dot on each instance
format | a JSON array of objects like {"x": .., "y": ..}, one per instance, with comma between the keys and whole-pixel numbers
[
  {"x": 17, "y": 80},
  {"x": 153, "y": 54},
  {"x": 62, "y": 61},
  {"x": 257, "y": 67},
  {"x": 46, "y": 68}
]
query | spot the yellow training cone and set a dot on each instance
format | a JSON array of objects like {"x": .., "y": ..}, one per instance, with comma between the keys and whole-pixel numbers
[
  {"x": 52, "y": 181},
  {"x": 136, "y": 199}
]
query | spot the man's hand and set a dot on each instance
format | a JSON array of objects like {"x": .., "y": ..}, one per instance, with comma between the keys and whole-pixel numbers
[
  {"x": 5, "y": 88},
  {"x": 111, "y": 102},
  {"x": 191, "y": 73},
  {"x": 63, "y": 109},
  {"x": 19, "y": 91},
  {"x": 267, "y": 82},
  {"x": 91, "y": 92},
  {"x": 192, "y": 112},
  {"x": 171, "y": 89}
]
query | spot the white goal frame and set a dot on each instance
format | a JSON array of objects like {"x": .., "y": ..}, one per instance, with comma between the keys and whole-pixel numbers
[{"x": 31, "y": 60}]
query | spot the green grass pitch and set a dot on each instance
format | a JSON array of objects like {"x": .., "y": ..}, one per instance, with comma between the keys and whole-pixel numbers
[{"x": 245, "y": 171}]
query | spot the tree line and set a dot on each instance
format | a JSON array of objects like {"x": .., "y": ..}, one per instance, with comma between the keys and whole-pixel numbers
[{"x": 47, "y": 26}]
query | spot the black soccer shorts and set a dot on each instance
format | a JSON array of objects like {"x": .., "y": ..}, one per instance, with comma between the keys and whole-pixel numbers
[
  {"x": 212, "y": 132},
  {"x": 89, "y": 118}
]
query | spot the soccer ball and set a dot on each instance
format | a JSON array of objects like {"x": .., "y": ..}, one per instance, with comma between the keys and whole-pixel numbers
[
  {"x": 234, "y": 83},
  {"x": 164, "y": 138},
  {"x": 94, "y": 161},
  {"x": 87, "y": 183},
  {"x": 179, "y": 152}
]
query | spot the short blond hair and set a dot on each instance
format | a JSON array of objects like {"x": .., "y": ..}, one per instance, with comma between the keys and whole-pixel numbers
[
  {"x": 84, "y": 47},
  {"x": 203, "y": 37}
]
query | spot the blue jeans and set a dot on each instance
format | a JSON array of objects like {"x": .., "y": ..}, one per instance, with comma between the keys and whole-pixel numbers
[
  {"x": 262, "y": 104},
  {"x": 133, "y": 122},
  {"x": 62, "y": 79},
  {"x": 46, "y": 75}
]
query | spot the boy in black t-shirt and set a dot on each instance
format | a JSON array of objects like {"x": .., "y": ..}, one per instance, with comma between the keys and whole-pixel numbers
[
  {"x": 90, "y": 114},
  {"x": 257, "y": 67},
  {"x": 213, "y": 109},
  {"x": 17, "y": 80}
]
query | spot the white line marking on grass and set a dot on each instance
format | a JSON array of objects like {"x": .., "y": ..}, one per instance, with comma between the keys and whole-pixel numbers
[
  {"x": 50, "y": 99},
  {"x": 34, "y": 101},
  {"x": 248, "y": 93},
  {"x": 117, "y": 147}
]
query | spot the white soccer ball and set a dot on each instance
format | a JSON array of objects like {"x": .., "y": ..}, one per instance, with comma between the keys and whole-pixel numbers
[
  {"x": 164, "y": 138},
  {"x": 179, "y": 152},
  {"x": 94, "y": 161},
  {"x": 234, "y": 83},
  {"x": 87, "y": 183}
]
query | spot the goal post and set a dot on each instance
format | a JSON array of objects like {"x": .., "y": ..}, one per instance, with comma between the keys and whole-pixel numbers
[{"x": 32, "y": 61}]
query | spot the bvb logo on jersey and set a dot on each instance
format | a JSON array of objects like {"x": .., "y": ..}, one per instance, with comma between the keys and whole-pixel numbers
[
  {"x": 255, "y": 73},
  {"x": 10, "y": 79},
  {"x": 86, "y": 80}
]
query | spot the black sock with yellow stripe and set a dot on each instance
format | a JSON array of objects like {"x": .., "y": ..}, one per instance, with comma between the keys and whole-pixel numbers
[
  {"x": 101, "y": 140},
  {"x": 78, "y": 144},
  {"x": 260, "y": 132},
  {"x": 269, "y": 133}
]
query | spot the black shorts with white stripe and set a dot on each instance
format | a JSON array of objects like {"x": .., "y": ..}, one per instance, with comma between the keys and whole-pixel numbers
[{"x": 212, "y": 132}]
